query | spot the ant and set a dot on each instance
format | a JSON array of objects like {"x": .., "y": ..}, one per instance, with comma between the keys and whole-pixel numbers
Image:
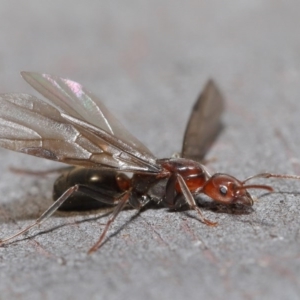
[{"x": 74, "y": 127}]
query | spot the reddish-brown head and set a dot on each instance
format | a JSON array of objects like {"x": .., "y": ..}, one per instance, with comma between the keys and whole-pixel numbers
[{"x": 226, "y": 189}]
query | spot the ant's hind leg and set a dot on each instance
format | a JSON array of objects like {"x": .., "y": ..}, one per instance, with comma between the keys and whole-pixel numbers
[{"x": 93, "y": 193}]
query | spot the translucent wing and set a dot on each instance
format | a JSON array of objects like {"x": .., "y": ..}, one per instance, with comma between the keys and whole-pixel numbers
[
  {"x": 29, "y": 125},
  {"x": 72, "y": 98},
  {"x": 204, "y": 123}
]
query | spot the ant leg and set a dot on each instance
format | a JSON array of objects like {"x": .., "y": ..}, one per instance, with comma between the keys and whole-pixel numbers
[
  {"x": 122, "y": 202},
  {"x": 46, "y": 214},
  {"x": 39, "y": 173},
  {"x": 191, "y": 201},
  {"x": 97, "y": 195},
  {"x": 169, "y": 199}
]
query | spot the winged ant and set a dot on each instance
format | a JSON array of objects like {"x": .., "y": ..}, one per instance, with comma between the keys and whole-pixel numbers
[{"x": 74, "y": 127}]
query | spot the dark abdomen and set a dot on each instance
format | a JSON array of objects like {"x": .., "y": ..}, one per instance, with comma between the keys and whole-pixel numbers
[{"x": 100, "y": 179}]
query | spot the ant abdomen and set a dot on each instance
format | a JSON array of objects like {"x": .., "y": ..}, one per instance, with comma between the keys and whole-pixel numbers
[{"x": 100, "y": 179}]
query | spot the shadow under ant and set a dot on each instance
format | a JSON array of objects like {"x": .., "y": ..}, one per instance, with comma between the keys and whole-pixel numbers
[
  {"x": 206, "y": 205},
  {"x": 29, "y": 236}
]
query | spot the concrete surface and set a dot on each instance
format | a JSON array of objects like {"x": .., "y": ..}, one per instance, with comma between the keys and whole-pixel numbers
[{"x": 148, "y": 60}]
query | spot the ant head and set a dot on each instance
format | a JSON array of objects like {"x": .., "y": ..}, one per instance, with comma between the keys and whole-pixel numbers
[{"x": 226, "y": 189}]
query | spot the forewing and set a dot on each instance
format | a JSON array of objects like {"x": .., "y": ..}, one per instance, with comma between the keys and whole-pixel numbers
[
  {"x": 73, "y": 99},
  {"x": 29, "y": 125},
  {"x": 204, "y": 123}
]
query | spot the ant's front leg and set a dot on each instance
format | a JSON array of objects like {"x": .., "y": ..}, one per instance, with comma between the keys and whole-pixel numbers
[
  {"x": 172, "y": 201},
  {"x": 191, "y": 201}
]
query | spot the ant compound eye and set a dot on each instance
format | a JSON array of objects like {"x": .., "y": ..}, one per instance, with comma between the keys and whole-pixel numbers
[{"x": 223, "y": 190}]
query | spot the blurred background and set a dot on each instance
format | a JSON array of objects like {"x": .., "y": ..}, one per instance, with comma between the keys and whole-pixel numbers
[{"x": 148, "y": 61}]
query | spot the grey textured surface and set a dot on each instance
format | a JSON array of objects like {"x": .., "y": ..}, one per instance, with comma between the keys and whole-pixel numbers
[{"x": 148, "y": 60}]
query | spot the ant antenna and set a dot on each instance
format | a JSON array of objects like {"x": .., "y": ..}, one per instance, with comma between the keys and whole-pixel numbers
[
  {"x": 270, "y": 175},
  {"x": 266, "y": 175},
  {"x": 256, "y": 186}
]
